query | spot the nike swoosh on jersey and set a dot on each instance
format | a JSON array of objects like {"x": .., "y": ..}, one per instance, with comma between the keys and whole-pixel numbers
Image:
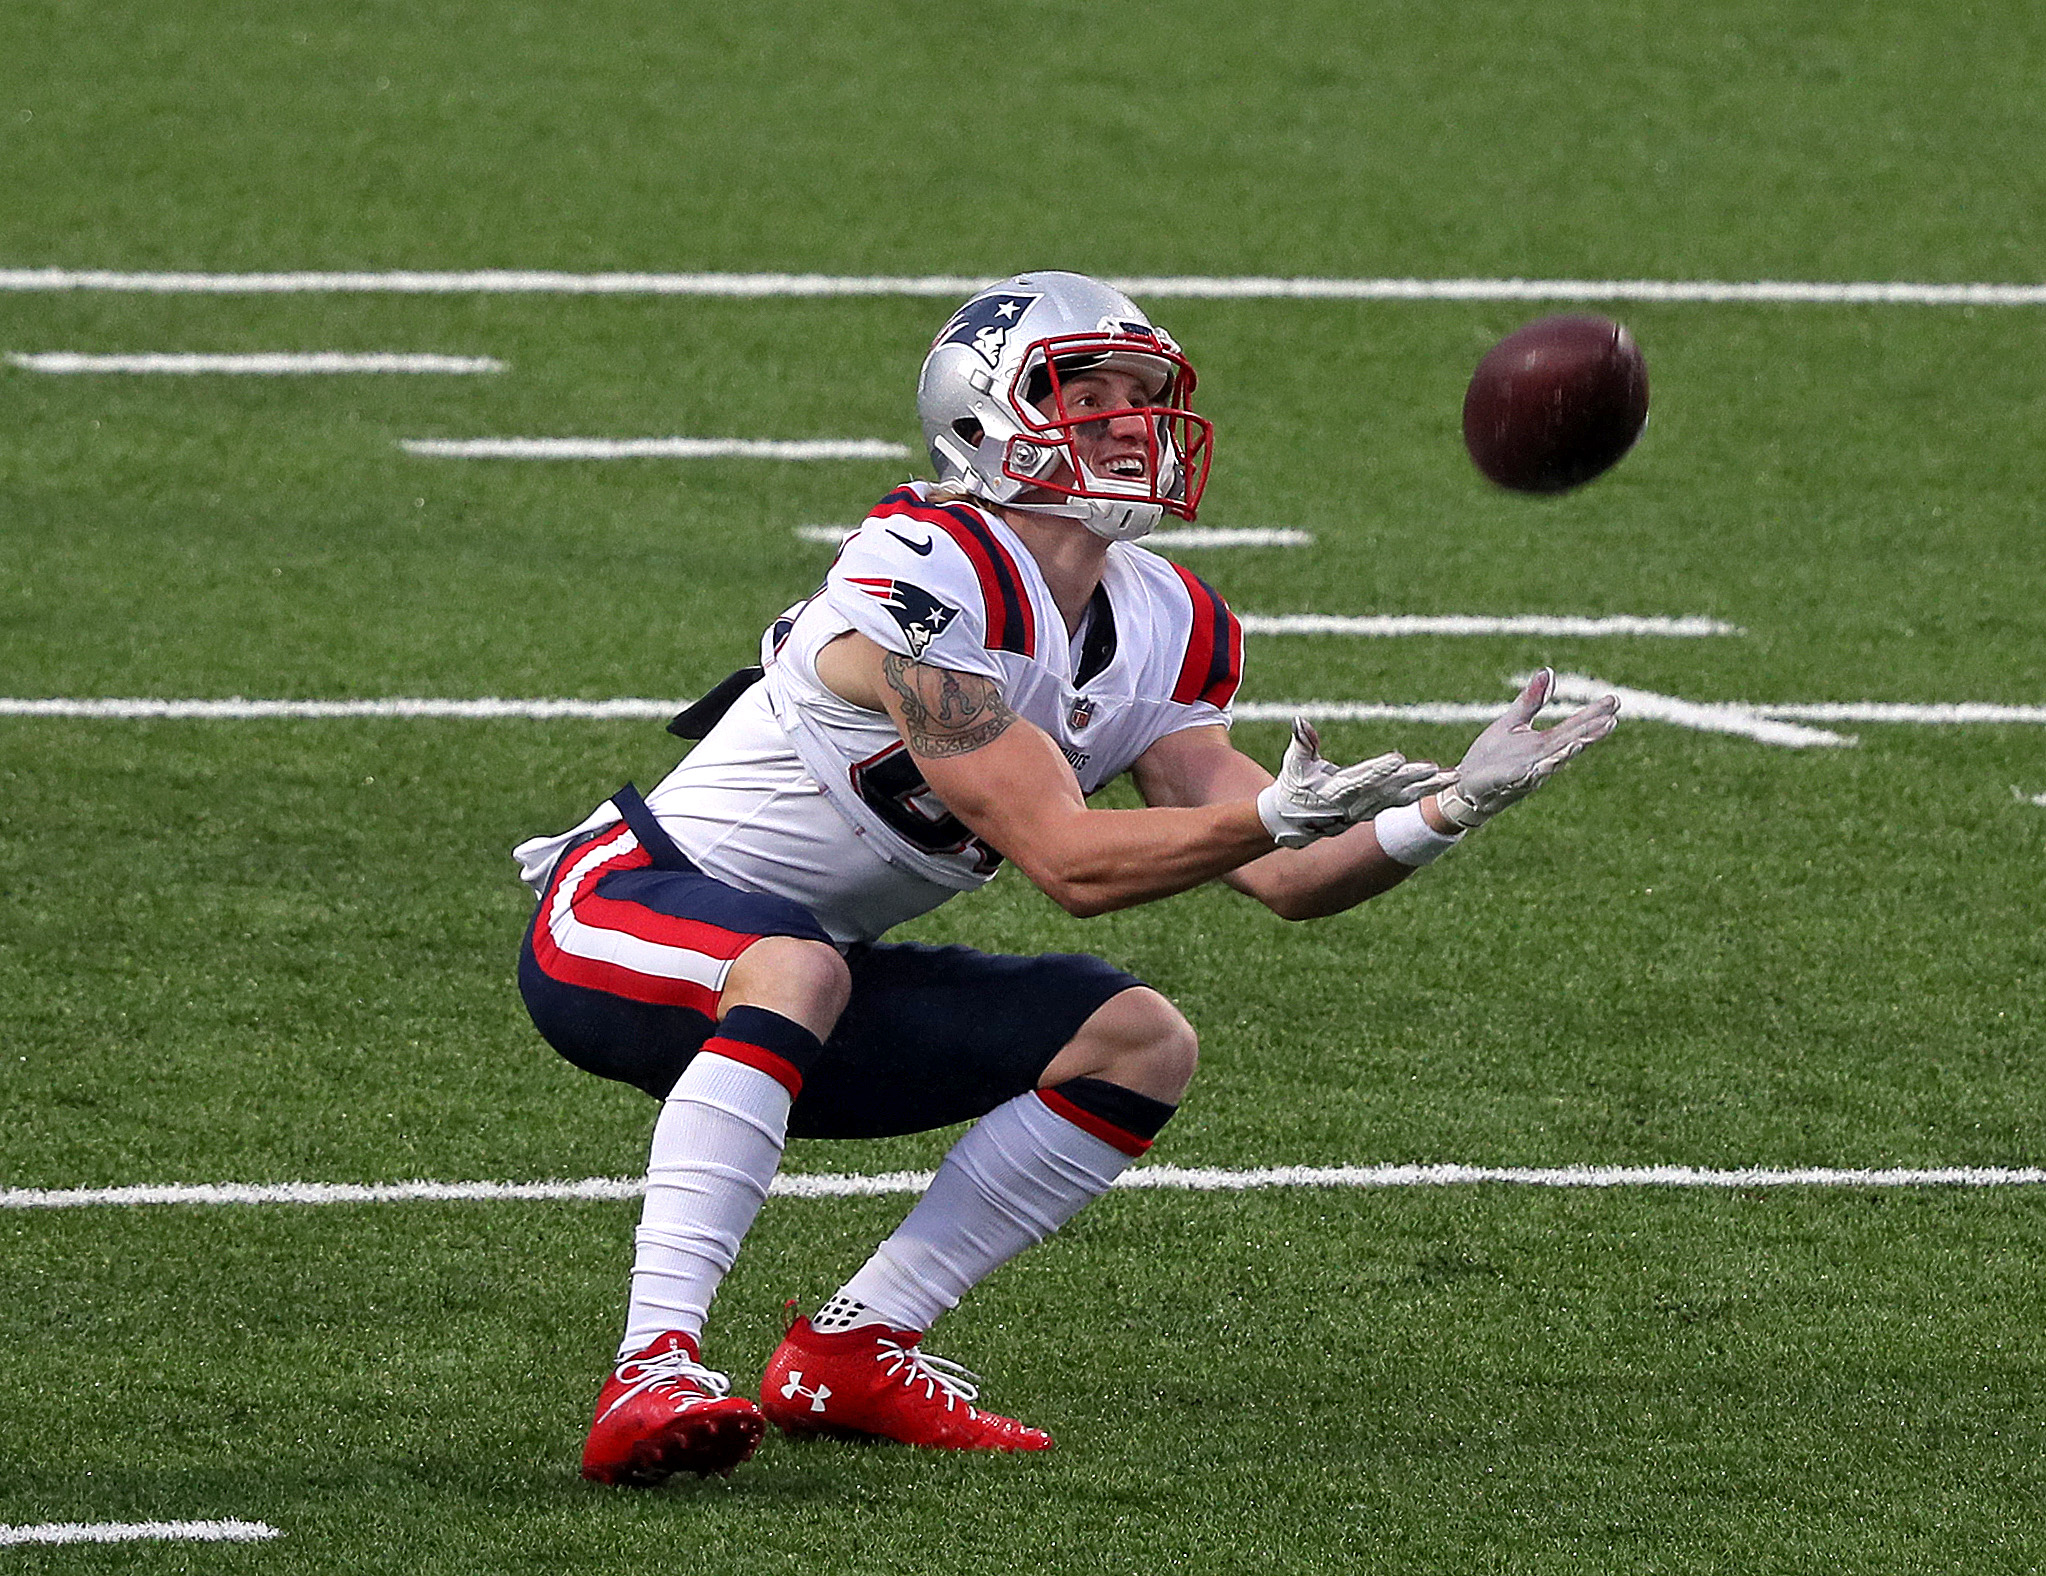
[{"x": 921, "y": 549}]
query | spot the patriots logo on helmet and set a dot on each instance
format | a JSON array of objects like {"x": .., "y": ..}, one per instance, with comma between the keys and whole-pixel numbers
[
  {"x": 920, "y": 616},
  {"x": 985, "y": 323}
]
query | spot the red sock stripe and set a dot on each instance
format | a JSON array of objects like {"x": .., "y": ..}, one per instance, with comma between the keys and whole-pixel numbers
[
  {"x": 760, "y": 1059},
  {"x": 1100, "y": 1127}
]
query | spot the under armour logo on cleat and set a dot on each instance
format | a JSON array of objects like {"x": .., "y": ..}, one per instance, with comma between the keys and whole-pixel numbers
[{"x": 795, "y": 1387}]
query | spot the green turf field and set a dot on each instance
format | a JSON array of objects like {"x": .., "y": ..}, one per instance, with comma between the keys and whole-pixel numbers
[{"x": 281, "y": 951}]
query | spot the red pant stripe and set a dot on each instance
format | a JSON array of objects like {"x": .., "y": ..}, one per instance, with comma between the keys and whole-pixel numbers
[{"x": 607, "y": 944}]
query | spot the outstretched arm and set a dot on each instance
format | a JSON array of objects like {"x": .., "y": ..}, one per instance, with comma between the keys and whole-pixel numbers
[
  {"x": 1506, "y": 763},
  {"x": 1199, "y": 765},
  {"x": 1006, "y": 780}
]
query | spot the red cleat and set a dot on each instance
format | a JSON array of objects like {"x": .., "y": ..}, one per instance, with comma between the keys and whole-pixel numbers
[
  {"x": 663, "y": 1412},
  {"x": 874, "y": 1382}
]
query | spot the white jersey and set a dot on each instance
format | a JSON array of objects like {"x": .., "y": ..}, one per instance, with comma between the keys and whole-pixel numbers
[{"x": 799, "y": 793}]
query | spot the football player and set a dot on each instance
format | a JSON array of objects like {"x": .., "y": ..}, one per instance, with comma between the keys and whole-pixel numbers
[{"x": 985, "y": 653}]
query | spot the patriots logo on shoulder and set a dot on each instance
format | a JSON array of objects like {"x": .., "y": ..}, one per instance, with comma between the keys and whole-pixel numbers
[
  {"x": 984, "y": 323},
  {"x": 921, "y": 616}
]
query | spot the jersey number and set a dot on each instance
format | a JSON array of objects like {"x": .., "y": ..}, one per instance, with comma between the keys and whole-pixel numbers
[{"x": 891, "y": 786}]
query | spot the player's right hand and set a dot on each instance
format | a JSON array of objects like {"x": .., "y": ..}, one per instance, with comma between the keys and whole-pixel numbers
[
  {"x": 1314, "y": 798},
  {"x": 1510, "y": 760}
]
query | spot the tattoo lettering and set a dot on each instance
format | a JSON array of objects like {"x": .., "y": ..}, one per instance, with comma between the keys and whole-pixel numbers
[{"x": 943, "y": 712}]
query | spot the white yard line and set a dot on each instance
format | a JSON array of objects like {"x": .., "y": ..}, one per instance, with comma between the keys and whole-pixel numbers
[
  {"x": 1445, "y": 711},
  {"x": 655, "y": 448},
  {"x": 1933, "y": 715},
  {"x": 1199, "y": 1179},
  {"x": 236, "y": 709},
  {"x": 1737, "y": 720},
  {"x": 954, "y": 286},
  {"x": 261, "y": 364},
  {"x": 1554, "y": 625},
  {"x": 138, "y": 1532},
  {"x": 1165, "y": 541},
  {"x": 1765, "y": 723}
]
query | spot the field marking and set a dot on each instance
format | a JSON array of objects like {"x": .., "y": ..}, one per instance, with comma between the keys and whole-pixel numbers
[
  {"x": 263, "y": 364},
  {"x": 1942, "y": 715},
  {"x": 1166, "y": 541},
  {"x": 1739, "y": 721},
  {"x": 138, "y": 1532},
  {"x": 655, "y": 448},
  {"x": 1184, "y": 287},
  {"x": 1559, "y": 626},
  {"x": 2022, "y": 797},
  {"x": 1196, "y": 1179},
  {"x": 1765, "y": 723},
  {"x": 1426, "y": 712},
  {"x": 236, "y": 709}
]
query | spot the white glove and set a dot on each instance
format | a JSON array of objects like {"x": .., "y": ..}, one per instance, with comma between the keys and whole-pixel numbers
[
  {"x": 1314, "y": 799},
  {"x": 1509, "y": 760}
]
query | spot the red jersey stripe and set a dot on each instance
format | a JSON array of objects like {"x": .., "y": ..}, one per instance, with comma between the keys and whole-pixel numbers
[
  {"x": 1004, "y": 594},
  {"x": 1213, "y": 665}
]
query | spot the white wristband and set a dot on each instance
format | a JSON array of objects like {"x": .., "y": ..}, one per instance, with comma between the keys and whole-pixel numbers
[
  {"x": 1405, "y": 835},
  {"x": 1460, "y": 810}
]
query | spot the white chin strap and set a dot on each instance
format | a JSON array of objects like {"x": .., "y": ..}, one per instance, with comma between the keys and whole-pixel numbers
[{"x": 1117, "y": 519}]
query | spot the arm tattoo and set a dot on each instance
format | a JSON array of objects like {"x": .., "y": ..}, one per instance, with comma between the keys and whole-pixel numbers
[{"x": 943, "y": 712}]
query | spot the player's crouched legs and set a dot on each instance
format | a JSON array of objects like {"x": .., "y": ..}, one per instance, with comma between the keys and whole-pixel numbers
[
  {"x": 1137, "y": 1040},
  {"x": 1019, "y": 1174},
  {"x": 717, "y": 1144},
  {"x": 805, "y": 981}
]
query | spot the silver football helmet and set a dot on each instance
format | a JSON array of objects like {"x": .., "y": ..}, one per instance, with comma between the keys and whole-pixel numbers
[{"x": 993, "y": 401}]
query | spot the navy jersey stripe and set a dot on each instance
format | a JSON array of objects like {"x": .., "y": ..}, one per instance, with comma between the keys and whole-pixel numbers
[
  {"x": 1011, "y": 623},
  {"x": 1213, "y": 666}
]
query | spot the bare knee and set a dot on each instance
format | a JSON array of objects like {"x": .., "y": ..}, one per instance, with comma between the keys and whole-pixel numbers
[
  {"x": 1137, "y": 1039},
  {"x": 806, "y": 981}
]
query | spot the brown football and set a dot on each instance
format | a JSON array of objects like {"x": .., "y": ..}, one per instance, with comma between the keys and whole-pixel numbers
[{"x": 1556, "y": 403}]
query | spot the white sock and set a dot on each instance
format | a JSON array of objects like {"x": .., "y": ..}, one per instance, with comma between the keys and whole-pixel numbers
[
  {"x": 717, "y": 1144},
  {"x": 1018, "y": 1175},
  {"x": 843, "y": 1313}
]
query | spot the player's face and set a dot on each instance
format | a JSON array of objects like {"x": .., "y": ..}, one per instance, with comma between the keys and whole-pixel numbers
[{"x": 1118, "y": 443}]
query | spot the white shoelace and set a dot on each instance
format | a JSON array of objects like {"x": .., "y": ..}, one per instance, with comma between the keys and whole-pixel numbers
[
  {"x": 938, "y": 1375},
  {"x": 641, "y": 1374}
]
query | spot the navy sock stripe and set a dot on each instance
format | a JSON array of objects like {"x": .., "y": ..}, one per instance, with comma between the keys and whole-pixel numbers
[
  {"x": 771, "y": 1032},
  {"x": 1136, "y": 1114}
]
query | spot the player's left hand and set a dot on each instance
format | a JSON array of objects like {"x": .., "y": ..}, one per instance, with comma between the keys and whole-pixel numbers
[
  {"x": 1510, "y": 760},
  {"x": 1315, "y": 798}
]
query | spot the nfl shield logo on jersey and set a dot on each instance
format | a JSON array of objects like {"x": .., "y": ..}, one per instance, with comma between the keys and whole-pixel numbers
[
  {"x": 1080, "y": 713},
  {"x": 920, "y": 616}
]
